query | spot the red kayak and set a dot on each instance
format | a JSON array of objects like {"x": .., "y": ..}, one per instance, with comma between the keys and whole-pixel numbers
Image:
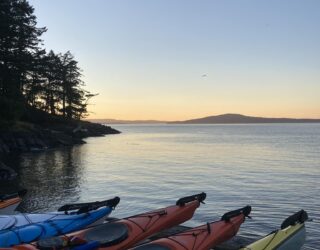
[
  {"x": 123, "y": 233},
  {"x": 9, "y": 202},
  {"x": 203, "y": 237}
]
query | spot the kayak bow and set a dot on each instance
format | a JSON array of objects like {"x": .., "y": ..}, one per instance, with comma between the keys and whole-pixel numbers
[
  {"x": 9, "y": 202},
  {"x": 291, "y": 235},
  {"x": 203, "y": 237},
  {"x": 26, "y": 228}
]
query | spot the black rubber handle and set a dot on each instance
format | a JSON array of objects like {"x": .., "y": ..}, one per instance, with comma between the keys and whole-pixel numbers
[
  {"x": 199, "y": 197},
  {"x": 245, "y": 211},
  {"x": 85, "y": 207},
  {"x": 298, "y": 217}
]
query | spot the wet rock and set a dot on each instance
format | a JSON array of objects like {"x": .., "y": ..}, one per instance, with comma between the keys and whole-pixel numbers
[
  {"x": 37, "y": 138},
  {"x": 6, "y": 173}
]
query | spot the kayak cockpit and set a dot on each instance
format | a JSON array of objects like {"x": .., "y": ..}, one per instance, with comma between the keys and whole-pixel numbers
[{"x": 107, "y": 234}]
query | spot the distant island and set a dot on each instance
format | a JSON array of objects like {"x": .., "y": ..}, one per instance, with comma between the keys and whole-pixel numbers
[
  {"x": 217, "y": 119},
  {"x": 242, "y": 119}
]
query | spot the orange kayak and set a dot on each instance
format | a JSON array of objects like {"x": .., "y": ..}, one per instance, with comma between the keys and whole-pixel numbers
[
  {"x": 123, "y": 233},
  {"x": 203, "y": 237},
  {"x": 9, "y": 202}
]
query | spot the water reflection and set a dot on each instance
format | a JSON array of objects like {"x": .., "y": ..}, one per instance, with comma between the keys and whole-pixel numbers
[
  {"x": 274, "y": 168},
  {"x": 51, "y": 178}
]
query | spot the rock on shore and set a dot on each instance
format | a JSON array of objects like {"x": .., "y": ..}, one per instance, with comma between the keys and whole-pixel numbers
[{"x": 30, "y": 137}]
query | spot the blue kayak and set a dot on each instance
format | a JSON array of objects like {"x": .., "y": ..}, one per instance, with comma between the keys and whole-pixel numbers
[{"x": 26, "y": 228}]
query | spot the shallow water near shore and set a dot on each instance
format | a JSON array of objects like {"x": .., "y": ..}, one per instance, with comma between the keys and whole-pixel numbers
[{"x": 275, "y": 168}]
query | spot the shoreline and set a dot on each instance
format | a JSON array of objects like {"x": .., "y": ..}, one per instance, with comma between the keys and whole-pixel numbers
[{"x": 29, "y": 137}]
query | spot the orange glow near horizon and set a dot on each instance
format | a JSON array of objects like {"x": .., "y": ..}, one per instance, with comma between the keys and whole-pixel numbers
[
  {"x": 180, "y": 94},
  {"x": 170, "y": 112},
  {"x": 134, "y": 99}
]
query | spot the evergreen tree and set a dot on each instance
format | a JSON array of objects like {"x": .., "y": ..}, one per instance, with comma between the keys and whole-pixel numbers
[
  {"x": 53, "y": 82},
  {"x": 19, "y": 41},
  {"x": 34, "y": 88},
  {"x": 71, "y": 84},
  {"x": 31, "y": 77}
]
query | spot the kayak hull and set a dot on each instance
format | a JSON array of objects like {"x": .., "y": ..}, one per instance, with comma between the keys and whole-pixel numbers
[
  {"x": 201, "y": 238},
  {"x": 292, "y": 237},
  {"x": 10, "y": 205},
  {"x": 175, "y": 215},
  {"x": 9, "y": 202},
  {"x": 25, "y": 228}
]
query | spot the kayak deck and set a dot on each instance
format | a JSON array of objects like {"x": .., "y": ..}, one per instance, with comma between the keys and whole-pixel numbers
[
  {"x": 9, "y": 202},
  {"x": 233, "y": 244},
  {"x": 205, "y": 236},
  {"x": 292, "y": 237},
  {"x": 236, "y": 243}
]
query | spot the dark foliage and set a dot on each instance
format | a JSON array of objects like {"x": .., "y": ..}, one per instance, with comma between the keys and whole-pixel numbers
[{"x": 31, "y": 77}]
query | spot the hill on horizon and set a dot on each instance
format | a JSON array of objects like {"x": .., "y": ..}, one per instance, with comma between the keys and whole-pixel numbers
[
  {"x": 238, "y": 119},
  {"x": 217, "y": 119}
]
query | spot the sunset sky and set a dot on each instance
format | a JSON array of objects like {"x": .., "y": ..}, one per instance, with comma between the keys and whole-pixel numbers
[{"x": 182, "y": 59}]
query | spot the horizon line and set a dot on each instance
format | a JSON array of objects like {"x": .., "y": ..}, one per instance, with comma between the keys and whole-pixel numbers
[{"x": 177, "y": 120}]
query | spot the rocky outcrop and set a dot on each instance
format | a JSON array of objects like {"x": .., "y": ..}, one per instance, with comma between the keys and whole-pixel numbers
[
  {"x": 33, "y": 141},
  {"x": 37, "y": 138}
]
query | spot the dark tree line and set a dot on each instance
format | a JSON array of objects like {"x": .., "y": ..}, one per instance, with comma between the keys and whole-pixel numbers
[{"x": 32, "y": 77}]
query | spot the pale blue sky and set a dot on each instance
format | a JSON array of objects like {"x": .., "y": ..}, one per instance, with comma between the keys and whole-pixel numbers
[{"x": 146, "y": 58}]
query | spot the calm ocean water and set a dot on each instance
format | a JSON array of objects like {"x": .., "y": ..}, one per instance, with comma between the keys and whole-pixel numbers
[{"x": 275, "y": 168}]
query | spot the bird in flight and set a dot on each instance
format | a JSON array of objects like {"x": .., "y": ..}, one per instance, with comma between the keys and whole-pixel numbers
[{"x": 204, "y": 75}]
